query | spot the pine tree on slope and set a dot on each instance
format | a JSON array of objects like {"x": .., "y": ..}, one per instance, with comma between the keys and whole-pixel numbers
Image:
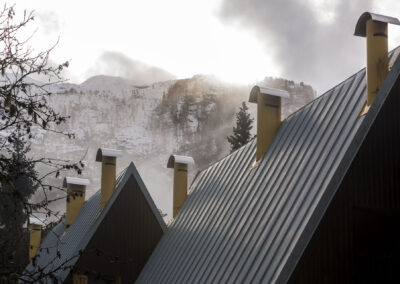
[{"x": 241, "y": 133}]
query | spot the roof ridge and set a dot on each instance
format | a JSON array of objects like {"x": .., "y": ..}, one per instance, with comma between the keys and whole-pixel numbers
[
  {"x": 253, "y": 226},
  {"x": 341, "y": 83}
]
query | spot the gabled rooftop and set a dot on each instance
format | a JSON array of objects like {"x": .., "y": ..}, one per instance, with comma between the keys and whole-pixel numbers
[
  {"x": 249, "y": 224},
  {"x": 63, "y": 248}
]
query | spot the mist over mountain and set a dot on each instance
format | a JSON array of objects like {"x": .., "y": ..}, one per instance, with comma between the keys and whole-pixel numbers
[
  {"x": 148, "y": 123},
  {"x": 119, "y": 65}
]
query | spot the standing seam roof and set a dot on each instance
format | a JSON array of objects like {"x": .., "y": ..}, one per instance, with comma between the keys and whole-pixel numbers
[{"x": 241, "y": 224}]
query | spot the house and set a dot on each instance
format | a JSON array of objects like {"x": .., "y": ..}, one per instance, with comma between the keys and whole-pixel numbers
[
  {"x": 314, "y": 199},
  {"x": 106, "y": 239}
]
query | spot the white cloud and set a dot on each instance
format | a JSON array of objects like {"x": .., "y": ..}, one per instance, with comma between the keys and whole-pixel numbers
[
  {"x": 187, "y": 37},
  {"x": 180, "y": 36}
]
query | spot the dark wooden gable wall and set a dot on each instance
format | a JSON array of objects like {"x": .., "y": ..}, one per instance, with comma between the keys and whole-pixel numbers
[
  {"x": 124, "y": 240},
  {"x": 358, "y": 239}
]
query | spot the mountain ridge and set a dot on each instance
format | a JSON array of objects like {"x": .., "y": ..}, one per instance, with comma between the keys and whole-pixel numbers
[{"x": 189, "y": 116}]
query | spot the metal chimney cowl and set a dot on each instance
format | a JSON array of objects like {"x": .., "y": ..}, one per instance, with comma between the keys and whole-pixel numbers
[
  {"x": 269, "y": 108},
  {"x": 375, "y": 28},
  {"x": 180, "y": 166},
  {"x": 76, "y": 190}
]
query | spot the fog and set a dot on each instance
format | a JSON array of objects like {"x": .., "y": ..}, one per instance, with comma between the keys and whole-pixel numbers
[{"x": 120, "y": 65}]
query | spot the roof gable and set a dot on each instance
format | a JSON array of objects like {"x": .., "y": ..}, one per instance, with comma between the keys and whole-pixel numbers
[
  {"x": 71, "y": 243},
  {"x": 244, "y": 224}
]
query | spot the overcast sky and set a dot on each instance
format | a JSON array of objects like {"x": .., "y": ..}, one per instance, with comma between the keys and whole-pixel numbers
[{"x": 239, "y": 41}]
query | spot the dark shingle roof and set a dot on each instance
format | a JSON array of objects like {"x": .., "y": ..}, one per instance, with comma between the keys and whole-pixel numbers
[
  {"x": 70, "y": 243},
  {"x": 251, "y": 225}
]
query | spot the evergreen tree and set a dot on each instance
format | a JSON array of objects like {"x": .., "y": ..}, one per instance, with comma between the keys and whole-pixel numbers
[
  {"x": 14, "y": 194},
  {"x": 241, "y": 133}
]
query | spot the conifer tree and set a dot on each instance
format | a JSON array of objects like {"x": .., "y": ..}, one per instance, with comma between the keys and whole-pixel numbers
[
  {"x": 14, "y": 193},
  {"x": 241, "y": 133}
]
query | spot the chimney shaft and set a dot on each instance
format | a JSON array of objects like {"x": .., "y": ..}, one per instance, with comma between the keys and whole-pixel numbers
[
  {"x": 180, "y": 166},
  {"x": 35, "y": 235},
  {"x": 269, "y": 107},
  {"x": 108, "y": 176},
  {"x": 377, "y": 57},
  {"x": 108, "y": 159},
  {"x": 375, "y": 28},
  {"x": 180, "y": 186},
  {"x": 76, "y": 189}
]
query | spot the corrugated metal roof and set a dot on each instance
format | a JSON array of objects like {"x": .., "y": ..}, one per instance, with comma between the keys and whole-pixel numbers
[
  {"x": 75, "y": 239},
  {"x": 250, "y": 225}
]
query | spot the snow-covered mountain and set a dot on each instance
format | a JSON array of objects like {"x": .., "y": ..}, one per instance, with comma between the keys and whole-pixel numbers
[{"x": 189, "y": 117}]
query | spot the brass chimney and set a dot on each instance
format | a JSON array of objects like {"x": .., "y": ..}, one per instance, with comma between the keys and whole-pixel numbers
[
  {"x": 76, "y": 189},
  {"x": 108, "y": 159},
  {"x": 269, "y": 108},
  {"x": 375, "y": 28},
  {"x": 35, "y": 235},
  {"x": 180, "y": 166}
]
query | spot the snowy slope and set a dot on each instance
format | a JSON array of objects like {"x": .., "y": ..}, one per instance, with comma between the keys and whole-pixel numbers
[{"x": 191, "y": 116}]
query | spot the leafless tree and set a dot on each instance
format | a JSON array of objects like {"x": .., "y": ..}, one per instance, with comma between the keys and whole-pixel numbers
[{"x": 25, "y": 109}]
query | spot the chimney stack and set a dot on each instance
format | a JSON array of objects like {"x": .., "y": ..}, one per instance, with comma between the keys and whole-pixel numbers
[
  {"x": 76, "y": 189},
  {"x": 269, "y": 108},
  {"x": 180, "y": 166},
  {"x": 35, "y": 235},
  {"x": 108, "y": 159},
  {"x": 375, "y": 28}
]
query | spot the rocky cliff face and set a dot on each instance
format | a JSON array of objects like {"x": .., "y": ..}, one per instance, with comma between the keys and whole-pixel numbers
[{"x": 189, "y": 117}]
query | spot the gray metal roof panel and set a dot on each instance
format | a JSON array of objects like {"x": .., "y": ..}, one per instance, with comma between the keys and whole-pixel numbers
[{"x": 243, "y": 224}]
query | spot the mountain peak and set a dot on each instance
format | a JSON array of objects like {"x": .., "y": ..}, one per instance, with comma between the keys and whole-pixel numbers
[{"x": 106, "y": 83}]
